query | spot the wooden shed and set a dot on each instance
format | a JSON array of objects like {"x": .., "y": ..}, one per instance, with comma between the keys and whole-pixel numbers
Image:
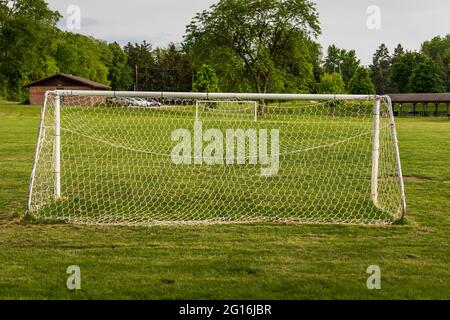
[{"x": 60, "y": 81}]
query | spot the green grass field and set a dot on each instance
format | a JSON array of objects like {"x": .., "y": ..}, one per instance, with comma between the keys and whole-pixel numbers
[{"x": 261, "y": 261}]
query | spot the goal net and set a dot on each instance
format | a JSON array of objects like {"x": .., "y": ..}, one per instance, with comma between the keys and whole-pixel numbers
[
  {"x": 226, "y": 109},
  {"x": 190, "y": 158}
]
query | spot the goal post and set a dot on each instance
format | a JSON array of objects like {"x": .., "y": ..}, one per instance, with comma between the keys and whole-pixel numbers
[
  {"x": 57, "y": 146},
  {"x": 308, "y": 159},
  {"x": 396, "y": 154},
  {"x": 376, "y": 150}
]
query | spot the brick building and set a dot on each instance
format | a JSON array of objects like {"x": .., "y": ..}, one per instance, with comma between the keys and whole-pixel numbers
[{"x": 60, "y": 81}]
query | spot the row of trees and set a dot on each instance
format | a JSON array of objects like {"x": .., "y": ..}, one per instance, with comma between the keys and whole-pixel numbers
[
  {"x": 410, "y": 71},
  {"x": 159, "y": 69},
  {"x": 32, "y": 47},
  {"x": 236, "y": 45},
  {"x": 401, "y": 72}
]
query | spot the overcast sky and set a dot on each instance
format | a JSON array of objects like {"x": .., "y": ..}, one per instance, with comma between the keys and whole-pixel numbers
[{"x": 344, "y": 22}]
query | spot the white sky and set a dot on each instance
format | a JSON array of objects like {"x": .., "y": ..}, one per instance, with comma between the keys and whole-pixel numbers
[{"x": 343, "y": 22}]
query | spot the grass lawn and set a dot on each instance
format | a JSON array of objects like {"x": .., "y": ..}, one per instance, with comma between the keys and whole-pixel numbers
[{"x": 233, "y": 261}]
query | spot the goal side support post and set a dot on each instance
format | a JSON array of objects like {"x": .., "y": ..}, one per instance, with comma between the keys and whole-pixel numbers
[
  {"x": 375, "y": 152},
  {"x": 57, "y": 147},
  {"x": 397, "y": 154},
  {"x": 36, "y": 152}
]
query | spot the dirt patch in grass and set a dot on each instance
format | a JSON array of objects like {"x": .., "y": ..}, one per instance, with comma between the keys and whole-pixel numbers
[{"x": 416, "y": 179}]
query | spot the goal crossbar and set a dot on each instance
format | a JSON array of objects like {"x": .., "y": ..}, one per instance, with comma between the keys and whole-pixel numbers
[{"x": 214, "y": 96}]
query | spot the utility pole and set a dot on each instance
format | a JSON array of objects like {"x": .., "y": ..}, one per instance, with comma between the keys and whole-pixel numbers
[{"x": 136, "y": 78}]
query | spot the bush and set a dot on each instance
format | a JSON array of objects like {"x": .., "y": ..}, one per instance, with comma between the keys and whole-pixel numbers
[
  {"x": 331, "y": 83},
  {"x": 206, "y": 80},
  {"x": 361, "y": 83}
]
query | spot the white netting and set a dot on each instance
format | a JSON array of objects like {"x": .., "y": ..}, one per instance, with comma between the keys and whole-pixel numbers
[
  {"x": 226, "y": 109},
  {"x": 300, "y": 162}
]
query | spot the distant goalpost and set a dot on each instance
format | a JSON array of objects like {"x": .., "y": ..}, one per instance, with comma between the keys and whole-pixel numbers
[{"x": 214, "y": 158}]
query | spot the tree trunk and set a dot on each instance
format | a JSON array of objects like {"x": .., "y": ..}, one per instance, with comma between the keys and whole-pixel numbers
[{"x": 263, "y": 90}]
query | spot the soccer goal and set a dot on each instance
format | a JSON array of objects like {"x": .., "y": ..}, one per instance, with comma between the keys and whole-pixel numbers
[{"x": 203, "y": 158}]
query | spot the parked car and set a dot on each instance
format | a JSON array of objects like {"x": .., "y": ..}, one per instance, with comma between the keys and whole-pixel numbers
[
  {"x": 153, "y": 103},
  {"x": 134, "y": 102}
]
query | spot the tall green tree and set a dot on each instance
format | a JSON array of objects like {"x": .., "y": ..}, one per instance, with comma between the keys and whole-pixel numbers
[
  {"x": 83, "y": 56},
  {"x": 141, "y": 61},
  {"x": 333, "y": 59},
  {"x": 230, "y": 70},
  {"x": 173, "y": 70},
  {"x": 206, "y": 80},
  {"x": 402, "y": 69},
  {"x": 438, "y": 49},
  {"x": 399, "y": 51},
  {"x": 296, "y": 67},
  {"x": 27, "y": 44},
  {"x": 342, "y": 61},
  {"x": 160, "y": 69},
  {"x": 255, "y": 34},
  {"x": 120, "y": 73},
  {"x": 381, "y": 70},
  {"x": 425, "y": 78},
  {"x": 361, "y": 83}
]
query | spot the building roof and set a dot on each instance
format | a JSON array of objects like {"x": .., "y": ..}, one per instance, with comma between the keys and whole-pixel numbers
[
  {"x": 420, "y": 97},
  {"x": 84, "y": 81}
]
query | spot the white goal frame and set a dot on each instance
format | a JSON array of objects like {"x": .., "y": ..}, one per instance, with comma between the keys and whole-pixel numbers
[{"x": 217, "y": 97}]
